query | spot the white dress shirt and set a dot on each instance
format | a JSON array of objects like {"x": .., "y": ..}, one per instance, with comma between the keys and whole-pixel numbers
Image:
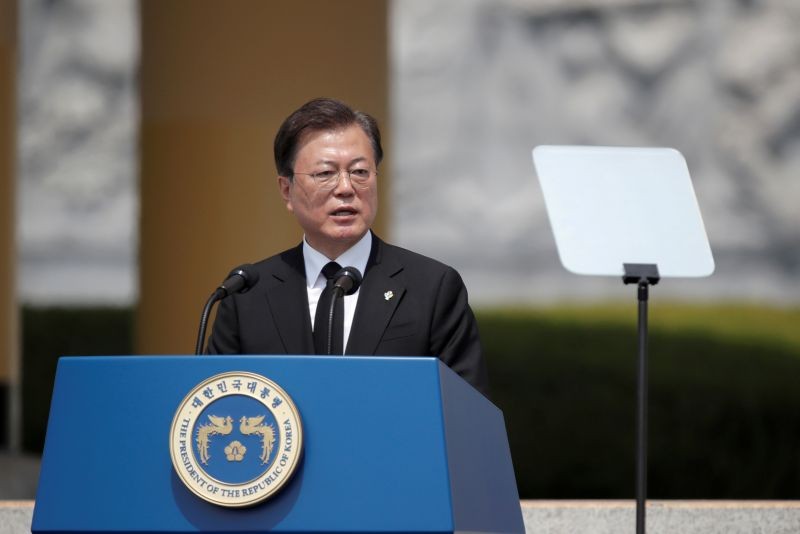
[{"x": 356, "y": 256}]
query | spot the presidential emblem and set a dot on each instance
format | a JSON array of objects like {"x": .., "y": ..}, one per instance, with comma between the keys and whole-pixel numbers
[{"x": 236, "y": 439}]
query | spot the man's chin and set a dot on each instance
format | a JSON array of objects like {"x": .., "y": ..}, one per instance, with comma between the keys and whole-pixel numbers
[
  {"x": 344, "y": 228},
  {"x": 349, "y": 235}
]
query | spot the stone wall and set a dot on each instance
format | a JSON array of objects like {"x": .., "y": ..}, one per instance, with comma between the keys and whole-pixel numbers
[
  {"x": 479, "y": 83},
  {"x": 77, "y": 151},
  {"x": 475, "y": 85}
]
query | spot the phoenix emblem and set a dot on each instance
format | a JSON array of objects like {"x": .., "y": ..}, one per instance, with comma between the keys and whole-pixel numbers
[
  {"x": 255, "y": 425},
  {"x": 219, "y": 425}
]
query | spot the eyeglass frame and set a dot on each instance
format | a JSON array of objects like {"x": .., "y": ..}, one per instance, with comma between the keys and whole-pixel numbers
[{"x": 358, "y": 183}]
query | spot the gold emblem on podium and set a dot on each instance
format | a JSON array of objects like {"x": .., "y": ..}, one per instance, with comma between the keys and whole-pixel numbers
[{"x": 236, "y": 439}]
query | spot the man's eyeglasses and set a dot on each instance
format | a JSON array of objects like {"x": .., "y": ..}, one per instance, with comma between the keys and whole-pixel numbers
[{"x": 328, "y": 180}]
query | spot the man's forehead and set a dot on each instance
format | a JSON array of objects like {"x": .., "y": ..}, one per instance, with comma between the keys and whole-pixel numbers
[
  {"x": 312, "y": 133},
  {"x": 334, "y": 135}
]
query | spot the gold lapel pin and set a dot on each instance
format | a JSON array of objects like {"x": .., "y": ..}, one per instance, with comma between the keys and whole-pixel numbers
[{"x": 388, "y": 295}]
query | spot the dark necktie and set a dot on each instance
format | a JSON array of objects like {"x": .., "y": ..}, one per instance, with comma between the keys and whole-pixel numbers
[{"x": 322, "y": 316}]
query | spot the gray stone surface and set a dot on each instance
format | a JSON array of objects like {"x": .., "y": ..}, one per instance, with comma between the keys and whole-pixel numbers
[
  {"x": 662, "y": 517},
  {"x": 592, "y": 517},
  {"x": 77, "y": 151},
  {"x": 475, "y": 85},
  {"x": 16, "y": 517},
  {"x": 19, "y": 475},
  {"x": 478, "y": 83}
]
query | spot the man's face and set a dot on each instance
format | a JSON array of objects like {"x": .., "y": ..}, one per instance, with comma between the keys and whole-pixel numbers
[{"x": 333, "y": 220}]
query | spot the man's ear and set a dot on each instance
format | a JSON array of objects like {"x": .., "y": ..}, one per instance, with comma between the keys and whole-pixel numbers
[{"x": 284, "y": 184}]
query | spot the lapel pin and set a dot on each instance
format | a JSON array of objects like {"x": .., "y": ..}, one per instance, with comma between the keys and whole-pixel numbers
[{"x": 388, "y": 295}]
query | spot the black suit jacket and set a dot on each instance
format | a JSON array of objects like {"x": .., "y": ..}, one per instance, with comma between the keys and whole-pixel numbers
[{"x": 427, "y": 314}]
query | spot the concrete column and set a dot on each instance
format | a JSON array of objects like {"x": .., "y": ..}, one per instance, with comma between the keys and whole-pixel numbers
[
  {"x": 217, "y": 78},
  {"x": 9, "y": 334}
]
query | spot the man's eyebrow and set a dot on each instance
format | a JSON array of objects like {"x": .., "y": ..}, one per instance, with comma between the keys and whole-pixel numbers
[{"x": 334, "y": 163}]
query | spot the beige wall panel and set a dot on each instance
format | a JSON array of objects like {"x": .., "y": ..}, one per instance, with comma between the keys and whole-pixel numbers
[
  {"x": 8, "y": 305},
  {"x": 216, "y": 81},
  {"x": 9, "y": 312}
]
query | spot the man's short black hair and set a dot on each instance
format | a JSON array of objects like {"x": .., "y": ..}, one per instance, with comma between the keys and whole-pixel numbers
[{"x": 318, "y": 115}]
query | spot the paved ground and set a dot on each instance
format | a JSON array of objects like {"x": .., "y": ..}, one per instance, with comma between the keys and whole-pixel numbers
[
  {"x": 597, "y": 517},
  {"x": 19, "y": 475}
]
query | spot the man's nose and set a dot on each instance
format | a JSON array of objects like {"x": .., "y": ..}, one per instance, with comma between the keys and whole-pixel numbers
[{"x": 343, "y": 184}]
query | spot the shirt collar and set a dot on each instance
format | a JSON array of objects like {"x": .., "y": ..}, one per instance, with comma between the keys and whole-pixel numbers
[{"x": 356, "y": 256}]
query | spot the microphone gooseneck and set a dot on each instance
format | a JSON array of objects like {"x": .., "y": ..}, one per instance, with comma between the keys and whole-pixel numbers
[
  {"x": 239, "y": 280},
  {"x": 345, "y": 282}
]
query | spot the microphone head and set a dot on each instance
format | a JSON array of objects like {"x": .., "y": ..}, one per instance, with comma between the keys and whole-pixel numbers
[
  {"x": 348, "y": 279},
  {"x": 240, "y": 279}
]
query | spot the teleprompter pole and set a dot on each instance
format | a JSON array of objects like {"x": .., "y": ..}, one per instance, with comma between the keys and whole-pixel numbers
[{"x": 644, "y": 275}]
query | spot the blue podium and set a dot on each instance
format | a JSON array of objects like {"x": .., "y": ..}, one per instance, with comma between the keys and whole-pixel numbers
[{"x": 389, "y": 445}]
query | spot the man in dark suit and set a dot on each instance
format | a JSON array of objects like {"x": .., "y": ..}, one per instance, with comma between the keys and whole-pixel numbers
[{"x": 327, "y": 156}]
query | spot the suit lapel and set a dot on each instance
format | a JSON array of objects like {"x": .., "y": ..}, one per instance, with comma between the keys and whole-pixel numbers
[
  {"x": 288, "y": 302},
  {"x": 378, "y": 298}
]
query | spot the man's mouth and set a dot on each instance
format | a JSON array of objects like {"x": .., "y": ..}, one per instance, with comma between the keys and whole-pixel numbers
[{"x": 344, "y": 212}]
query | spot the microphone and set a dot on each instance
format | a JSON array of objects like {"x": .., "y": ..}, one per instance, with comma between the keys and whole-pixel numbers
[
  {"x": 348, "y": 279},
  {"x": 239, "y": 280},
  {"x": 345, "y": 282}
]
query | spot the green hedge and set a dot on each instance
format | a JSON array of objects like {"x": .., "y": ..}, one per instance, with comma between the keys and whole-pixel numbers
[
  {"x": 49, "y": 333},
  {"x": 724, "y": 407},
  {"x": 724, "y": 410}
]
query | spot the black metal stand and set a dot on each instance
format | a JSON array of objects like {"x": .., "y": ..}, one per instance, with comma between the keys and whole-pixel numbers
[{"x": 644, "y": 275}]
